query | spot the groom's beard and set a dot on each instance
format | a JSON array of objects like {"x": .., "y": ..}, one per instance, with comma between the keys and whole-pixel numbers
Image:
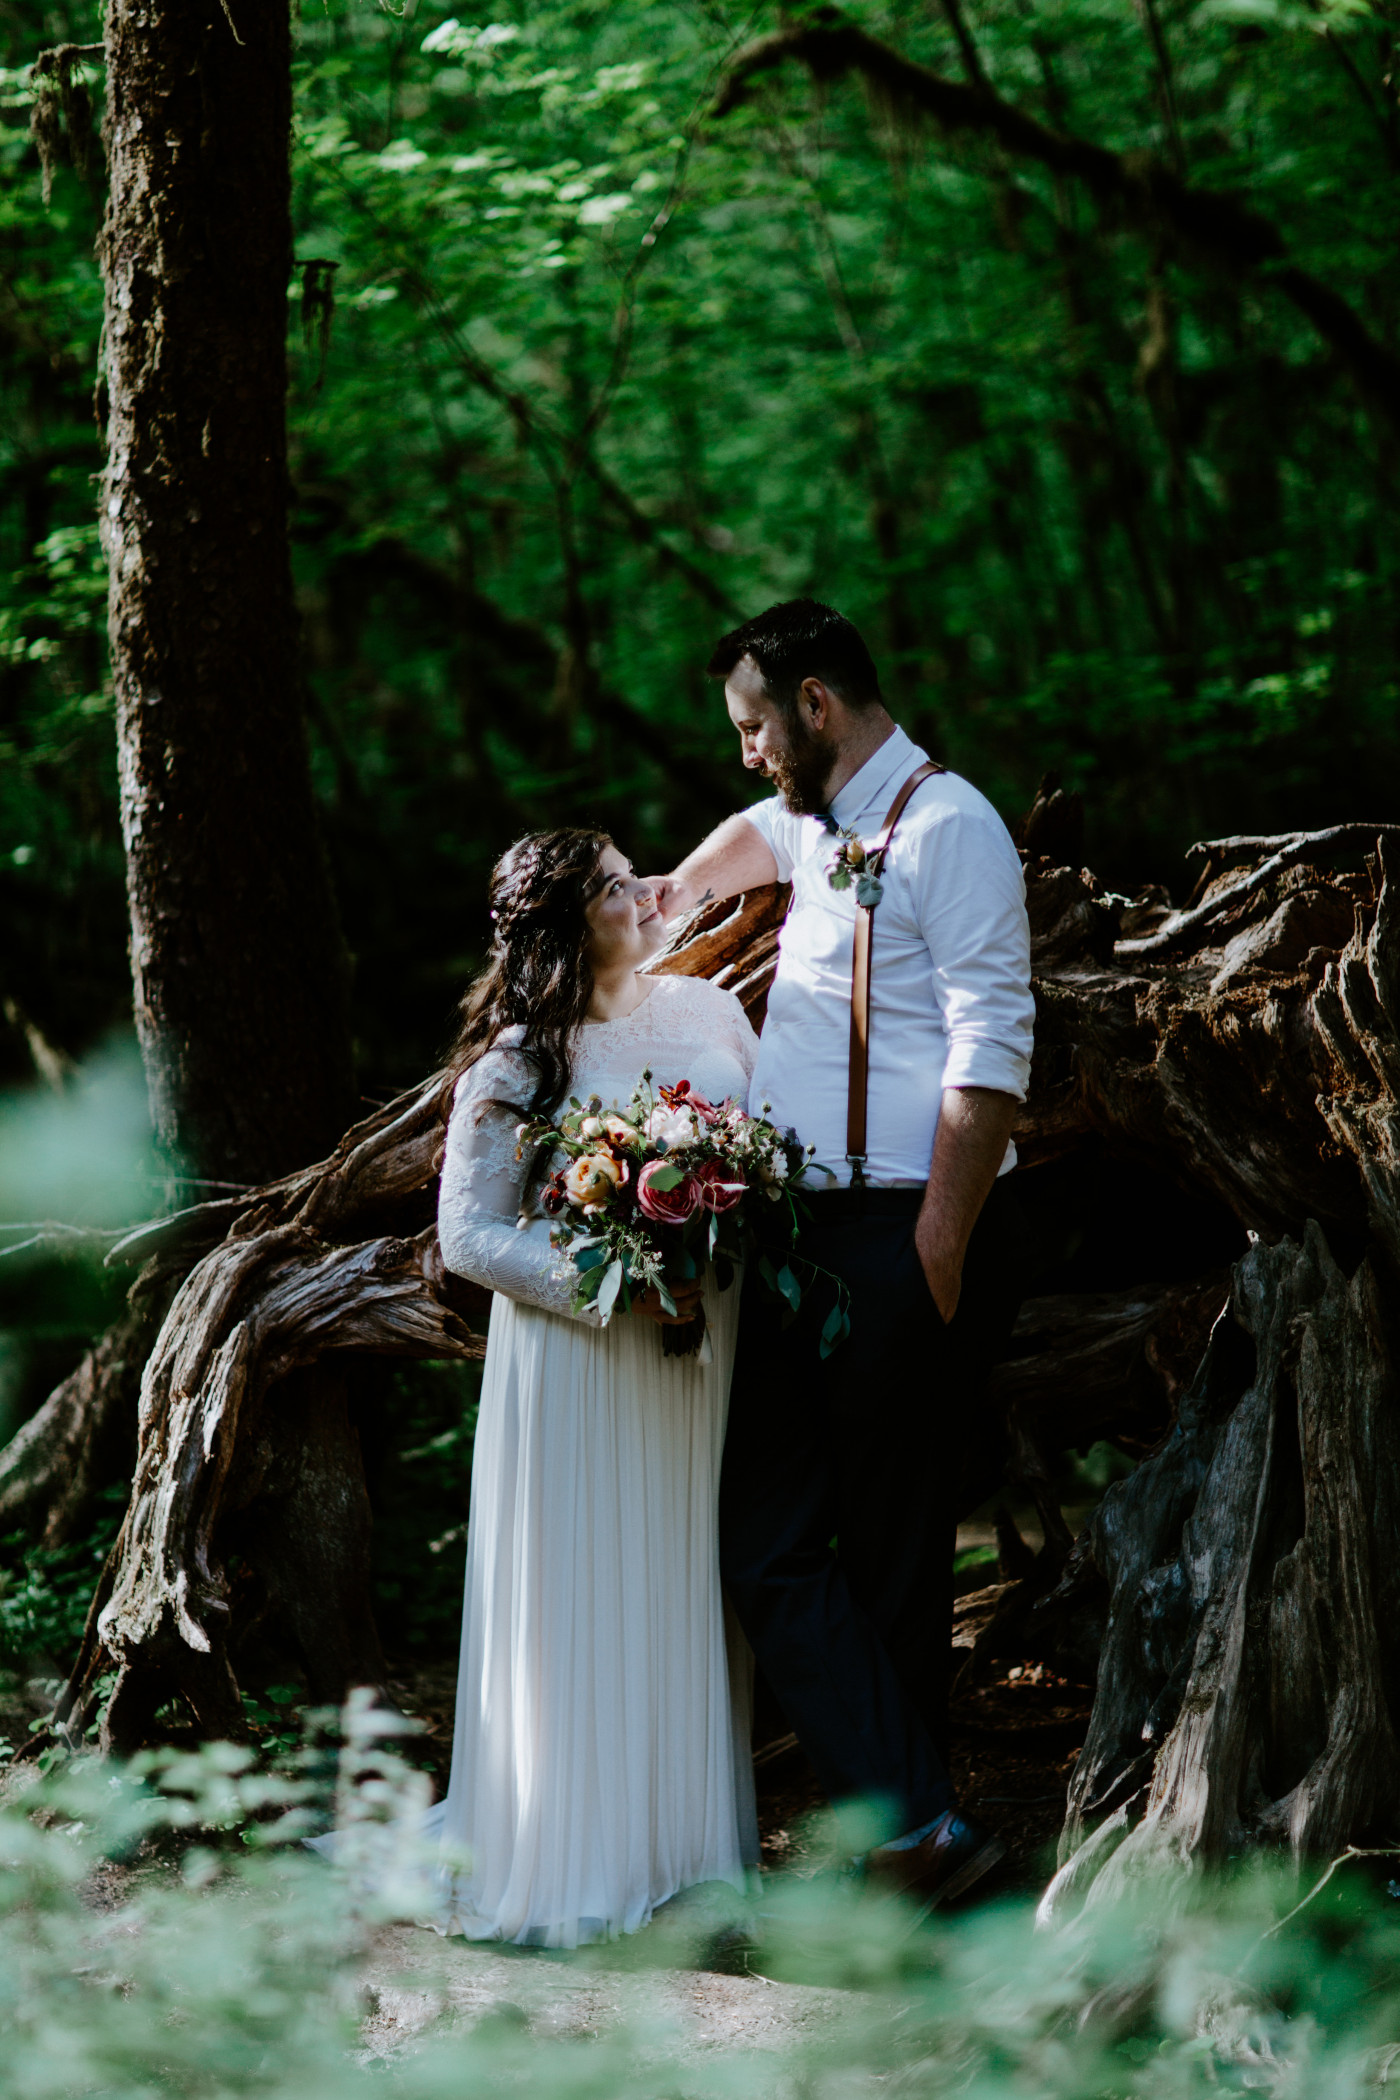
[{"x": 800, "y": 771}]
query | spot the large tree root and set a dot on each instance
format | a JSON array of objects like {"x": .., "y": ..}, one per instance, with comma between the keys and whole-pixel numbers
[
  {"x": 1249, "y": 1666},
  {"x": 226, "y": 1434}
]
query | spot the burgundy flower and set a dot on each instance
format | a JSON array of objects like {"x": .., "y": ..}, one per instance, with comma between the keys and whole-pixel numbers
[
  {"x": 666, "y": 1206},
  {"x": 721, "y": 1187}
]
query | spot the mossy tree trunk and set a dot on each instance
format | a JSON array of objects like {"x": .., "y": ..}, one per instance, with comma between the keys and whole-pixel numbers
[
  {"x": 237, "y": 960},
  {"x": 239, "y": 972}
]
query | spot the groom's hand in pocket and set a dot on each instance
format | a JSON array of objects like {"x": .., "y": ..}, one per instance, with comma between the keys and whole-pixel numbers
[
  {"x": 942, "y": 1263},
  {"x": 974, "y": 1126}
]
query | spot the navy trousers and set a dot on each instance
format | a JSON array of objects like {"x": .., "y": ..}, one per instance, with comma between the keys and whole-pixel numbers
[{"x": 838, "y": 1500}]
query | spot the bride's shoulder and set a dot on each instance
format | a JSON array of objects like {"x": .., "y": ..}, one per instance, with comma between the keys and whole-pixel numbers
[{"x": 499, "y": 1062}]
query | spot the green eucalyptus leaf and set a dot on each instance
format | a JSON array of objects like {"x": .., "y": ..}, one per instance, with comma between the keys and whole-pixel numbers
[
  {"x": 611, "y": 1285},
  {"x": 835, "y": 1328}
]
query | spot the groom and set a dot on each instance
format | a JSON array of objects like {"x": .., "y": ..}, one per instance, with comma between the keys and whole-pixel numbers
[{"x": 838, "y": 1502}]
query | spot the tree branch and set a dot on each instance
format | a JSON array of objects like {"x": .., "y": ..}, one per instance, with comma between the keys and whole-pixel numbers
[
  {"x": 1290, "y": 849},
  {"x": 1209, "y": 222}
]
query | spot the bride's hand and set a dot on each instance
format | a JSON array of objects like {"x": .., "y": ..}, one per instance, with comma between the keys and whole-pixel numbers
[{"x": 686, "y": 1295}]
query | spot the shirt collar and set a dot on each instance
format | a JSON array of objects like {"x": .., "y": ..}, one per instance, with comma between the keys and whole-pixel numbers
[{"x": 874, "y": 785}]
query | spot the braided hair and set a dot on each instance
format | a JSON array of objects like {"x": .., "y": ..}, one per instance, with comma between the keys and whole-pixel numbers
[{"x": 538, "y": 976}]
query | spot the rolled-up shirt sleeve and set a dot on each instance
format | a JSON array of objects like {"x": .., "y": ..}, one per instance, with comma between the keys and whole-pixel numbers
[
  {"x": 971, "y": 899},
  {"x": 773, "y": 823}
]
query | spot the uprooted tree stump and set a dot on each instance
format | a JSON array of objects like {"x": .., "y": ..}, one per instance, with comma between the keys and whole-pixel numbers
[{"x": 1235, "y": 1593}]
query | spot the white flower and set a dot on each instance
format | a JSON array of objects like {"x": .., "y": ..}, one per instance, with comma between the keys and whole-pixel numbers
[
  {"x": 591, "y": 1127},
  {"x": 672, "y": 1126}
]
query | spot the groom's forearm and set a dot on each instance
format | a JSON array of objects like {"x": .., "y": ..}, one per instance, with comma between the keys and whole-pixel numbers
[
  {"x": 734, "y": 857},
  {"x": 974, "y": 1128}
]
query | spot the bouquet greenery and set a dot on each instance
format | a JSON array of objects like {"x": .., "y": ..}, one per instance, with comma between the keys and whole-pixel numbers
[{"x": 644, "y": 1196}]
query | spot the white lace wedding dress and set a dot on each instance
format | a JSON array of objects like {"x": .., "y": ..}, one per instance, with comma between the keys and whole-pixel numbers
[{"x": 601, "y": 1757}]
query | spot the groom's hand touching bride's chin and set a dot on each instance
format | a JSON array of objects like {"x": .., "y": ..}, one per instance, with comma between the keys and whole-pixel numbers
[{"x": 672, "y": 894}]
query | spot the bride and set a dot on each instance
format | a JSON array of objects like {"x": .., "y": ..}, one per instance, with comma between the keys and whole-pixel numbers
[{"x": 601, "y": 1757}]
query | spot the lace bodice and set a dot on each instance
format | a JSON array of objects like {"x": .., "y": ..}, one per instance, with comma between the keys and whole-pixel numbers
[{"x": 686, "y": 1028}]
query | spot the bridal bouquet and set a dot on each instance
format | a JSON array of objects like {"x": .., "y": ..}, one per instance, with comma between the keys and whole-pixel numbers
[{"x": 645, "y": 1195}]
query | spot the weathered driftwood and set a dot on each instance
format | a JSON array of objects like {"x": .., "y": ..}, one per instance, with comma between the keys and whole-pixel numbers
[
  {"x": 1260, "y": 1065},
  {"x": 1254, "y": 1059}
]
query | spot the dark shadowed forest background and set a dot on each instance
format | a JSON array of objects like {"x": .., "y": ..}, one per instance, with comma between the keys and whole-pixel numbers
[{"x": 583, "y": 371}]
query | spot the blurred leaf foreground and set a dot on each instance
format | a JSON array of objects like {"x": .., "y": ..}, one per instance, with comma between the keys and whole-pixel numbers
[{"x": 162, "y": 1931}]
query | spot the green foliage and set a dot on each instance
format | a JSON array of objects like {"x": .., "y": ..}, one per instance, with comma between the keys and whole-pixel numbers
[
  {"x": 45, "y": 1591},
  {"x": 161, "y": 1931},
  {"x": 418, "y": 1432},
  {"x": 599, "y": 365}
]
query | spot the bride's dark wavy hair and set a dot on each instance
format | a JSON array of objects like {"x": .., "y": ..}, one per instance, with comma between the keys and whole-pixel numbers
[{"x": 538, "y": 976}]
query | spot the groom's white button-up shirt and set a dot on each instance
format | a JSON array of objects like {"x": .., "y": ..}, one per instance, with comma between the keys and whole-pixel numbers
[{"x": 950, "y": 982}]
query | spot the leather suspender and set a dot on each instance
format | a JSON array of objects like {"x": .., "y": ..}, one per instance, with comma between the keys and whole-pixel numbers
[{"x": 859, "y": 1082}]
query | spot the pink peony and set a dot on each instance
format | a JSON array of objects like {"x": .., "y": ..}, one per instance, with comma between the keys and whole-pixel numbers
[
  {"x": 666, "y": 1206},
  {"x": 721, "y": 1187}
]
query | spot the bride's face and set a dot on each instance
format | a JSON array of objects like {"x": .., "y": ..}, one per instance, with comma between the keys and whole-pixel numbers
[{"x": 625, "y": 929}]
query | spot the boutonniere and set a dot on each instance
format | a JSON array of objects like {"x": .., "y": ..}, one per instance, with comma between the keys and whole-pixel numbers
[{"x": 851, "y": 864}]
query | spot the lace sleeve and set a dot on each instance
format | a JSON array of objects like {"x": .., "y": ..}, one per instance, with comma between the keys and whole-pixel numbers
[{"x": 480, "y": 1229}]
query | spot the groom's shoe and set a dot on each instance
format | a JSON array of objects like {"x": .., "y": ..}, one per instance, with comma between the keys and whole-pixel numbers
[{"x": 942, "y": 1867}]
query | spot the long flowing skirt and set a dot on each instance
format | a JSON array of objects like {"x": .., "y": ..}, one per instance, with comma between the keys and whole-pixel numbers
[{"x": 601, "y": 1757}]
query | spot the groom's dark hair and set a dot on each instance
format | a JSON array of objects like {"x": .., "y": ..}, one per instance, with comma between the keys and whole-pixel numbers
[{"x": 802, "y": 638}]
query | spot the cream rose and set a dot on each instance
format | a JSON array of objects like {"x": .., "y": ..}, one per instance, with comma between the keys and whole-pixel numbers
[{"x": 592, "y": 1180}]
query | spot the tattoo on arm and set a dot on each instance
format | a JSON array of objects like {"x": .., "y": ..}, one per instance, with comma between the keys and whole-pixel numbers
[{"x": 708, "y": 898}]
